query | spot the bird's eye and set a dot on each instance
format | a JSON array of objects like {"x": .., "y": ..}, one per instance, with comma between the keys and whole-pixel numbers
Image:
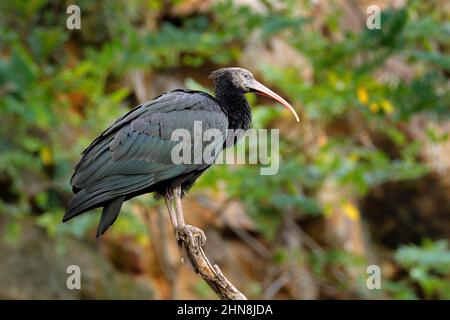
[{"x": 246, "y": 76}]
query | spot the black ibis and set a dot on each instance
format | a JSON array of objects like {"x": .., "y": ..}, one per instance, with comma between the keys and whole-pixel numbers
[{"x": 133, "y": 156}]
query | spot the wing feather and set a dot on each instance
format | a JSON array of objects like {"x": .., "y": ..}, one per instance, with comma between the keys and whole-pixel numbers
[{"x": 135, "y": 151}]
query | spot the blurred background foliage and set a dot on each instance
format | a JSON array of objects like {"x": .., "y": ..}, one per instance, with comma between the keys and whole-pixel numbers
[{"x": 364, "y": 178}]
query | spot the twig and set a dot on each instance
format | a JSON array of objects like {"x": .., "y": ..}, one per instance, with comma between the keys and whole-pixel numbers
[
  {"x": 210, "y": 273},
  {"x": 245, "y": 236},
  {"x": 251, "y": 241},
  {"x": 137, "y": 80},
  {"x": 277, "y": 285}
]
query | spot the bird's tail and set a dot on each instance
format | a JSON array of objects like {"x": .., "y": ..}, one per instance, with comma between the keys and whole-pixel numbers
[
  {"x": 109, "y": 193},
  {"x": 109, "y": 215},
  {"x": 81, "y": 203}
]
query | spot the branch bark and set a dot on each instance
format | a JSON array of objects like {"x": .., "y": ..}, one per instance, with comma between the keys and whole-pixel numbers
[{"x": 192, "y": 244}]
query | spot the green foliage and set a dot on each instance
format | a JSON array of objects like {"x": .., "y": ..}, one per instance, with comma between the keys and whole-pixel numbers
[{"x": 428, "y": 266}]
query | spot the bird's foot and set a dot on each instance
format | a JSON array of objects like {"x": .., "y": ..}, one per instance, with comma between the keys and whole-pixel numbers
[{"x": 193, "y": 236}]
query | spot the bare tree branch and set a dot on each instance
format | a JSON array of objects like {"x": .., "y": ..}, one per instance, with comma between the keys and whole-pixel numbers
[{"x": 213, "y": 276}]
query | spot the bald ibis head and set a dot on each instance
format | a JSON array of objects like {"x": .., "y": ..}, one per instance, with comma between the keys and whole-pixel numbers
[{"x": 240, "y": 81}]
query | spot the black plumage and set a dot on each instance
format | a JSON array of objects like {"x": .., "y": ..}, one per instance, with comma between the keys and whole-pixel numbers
[{"x": 133, "y": 156}]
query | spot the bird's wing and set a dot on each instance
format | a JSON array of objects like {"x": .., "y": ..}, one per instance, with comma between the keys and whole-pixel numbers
[{"x": 135, "y": 152}]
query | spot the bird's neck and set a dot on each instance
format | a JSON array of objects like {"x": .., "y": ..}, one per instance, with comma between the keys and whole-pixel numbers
[{"x": 237, "y": 108}]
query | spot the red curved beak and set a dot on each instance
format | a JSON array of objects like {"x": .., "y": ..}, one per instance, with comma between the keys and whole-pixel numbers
[{"x": 261, "y": 89}]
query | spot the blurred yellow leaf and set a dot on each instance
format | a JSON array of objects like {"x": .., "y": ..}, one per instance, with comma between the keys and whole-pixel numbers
[
  {"x": 354, "y": 157},
  {"x": 46, "y": 156},
  {"x": 363, "y": 97},
  {"x": 387, "y": 106},
  {"x": 143, "y": 240},
  {"x": 374, "y": 107},
  {"x": 351, "y": 211}
]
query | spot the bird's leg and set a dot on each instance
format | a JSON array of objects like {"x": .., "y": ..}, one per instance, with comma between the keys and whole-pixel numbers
[
  {"x": 169, "y": 200},
  {"x": 180, "y": 216},
  {"x": 186, "y": 232},
  {"x": 169, "y": 204}
]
